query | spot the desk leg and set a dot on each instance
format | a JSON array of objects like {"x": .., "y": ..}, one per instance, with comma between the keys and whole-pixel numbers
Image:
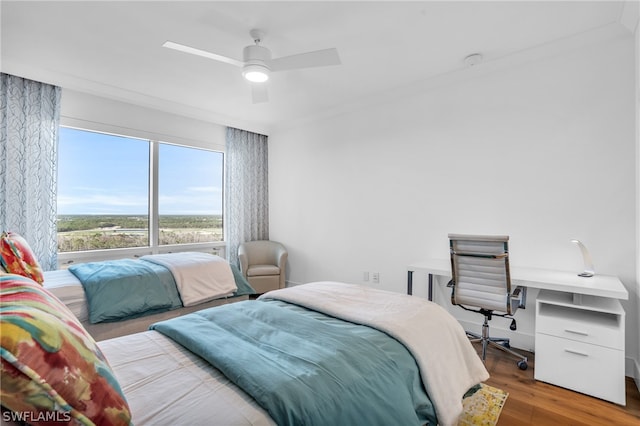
[
  {"x": 410, "y": 282},
  {"x": 431, "y": 287}
]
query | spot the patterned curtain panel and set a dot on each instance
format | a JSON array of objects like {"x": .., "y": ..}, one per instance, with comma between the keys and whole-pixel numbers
[
  {"x": 247, "y": 190},
  {"x": 29, "y": 119}
]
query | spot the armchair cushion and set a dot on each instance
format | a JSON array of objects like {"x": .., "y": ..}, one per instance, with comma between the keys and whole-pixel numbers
[{"x": 255, "y": 270}]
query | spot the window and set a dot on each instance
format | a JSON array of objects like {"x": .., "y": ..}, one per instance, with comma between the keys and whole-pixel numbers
[
  {"x": 190, "y": 195},
  {"x": 107, "y": 184}
]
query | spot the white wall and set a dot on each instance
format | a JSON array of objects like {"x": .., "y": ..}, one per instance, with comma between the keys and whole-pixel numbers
[{"x": 541, "y": 151}]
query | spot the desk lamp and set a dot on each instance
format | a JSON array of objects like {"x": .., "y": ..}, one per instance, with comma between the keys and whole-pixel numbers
[{"x": 586, "y": 257}]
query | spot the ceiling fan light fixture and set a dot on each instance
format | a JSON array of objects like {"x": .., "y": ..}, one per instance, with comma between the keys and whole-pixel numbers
[
  {"x": 257, "y": 63},
  {"x": 255, "y": 73}
]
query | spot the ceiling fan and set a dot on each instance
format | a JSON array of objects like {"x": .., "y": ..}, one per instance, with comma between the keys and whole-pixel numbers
[{"x": 257, "y": 63}]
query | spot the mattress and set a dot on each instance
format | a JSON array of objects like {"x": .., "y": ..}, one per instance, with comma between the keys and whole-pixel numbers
[
  {"x": 66, "y": 287},
  {"x": 152, "y": 369}
]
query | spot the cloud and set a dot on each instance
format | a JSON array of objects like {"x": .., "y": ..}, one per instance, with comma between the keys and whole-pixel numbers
[
  {"x": 196, "y": 200},
  {"x": 103, "y": 200},
  {"x": 200, "y": 189}
]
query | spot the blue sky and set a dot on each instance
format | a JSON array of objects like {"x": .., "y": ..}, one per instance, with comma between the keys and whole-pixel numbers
[{"x": 105, "y": 174}]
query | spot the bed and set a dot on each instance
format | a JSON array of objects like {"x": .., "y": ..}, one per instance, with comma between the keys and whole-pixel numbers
[
  {"x": 184, "y": 287},
  {"x": 319, "y": 353},
  {"x": 118, "y": 297}
]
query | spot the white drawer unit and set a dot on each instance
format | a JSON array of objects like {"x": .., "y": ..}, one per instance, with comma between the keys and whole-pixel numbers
[{"x": 581, "y": 346}]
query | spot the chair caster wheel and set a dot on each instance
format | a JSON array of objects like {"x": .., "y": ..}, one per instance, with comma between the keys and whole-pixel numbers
[
  {"x": 513, "y": 325},
  {"x": 522, "y": 365}
]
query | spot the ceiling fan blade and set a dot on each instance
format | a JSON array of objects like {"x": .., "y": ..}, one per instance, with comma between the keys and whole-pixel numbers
[
  {"x": 203, "y": 53},
  {"x": 318, "y": 58},
  {"x": 259, "y": 93}
]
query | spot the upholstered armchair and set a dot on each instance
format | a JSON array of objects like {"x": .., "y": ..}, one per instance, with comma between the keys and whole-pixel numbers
[{"x": 263, "y": 264}]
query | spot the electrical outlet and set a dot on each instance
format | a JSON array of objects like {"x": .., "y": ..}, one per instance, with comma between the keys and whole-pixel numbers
[
  {"x": 365, "y": 276},
  {"x": 375, "y": 277}
]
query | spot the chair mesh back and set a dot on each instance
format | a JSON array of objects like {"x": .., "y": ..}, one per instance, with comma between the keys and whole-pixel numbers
[{"x": 480, "y": 271}]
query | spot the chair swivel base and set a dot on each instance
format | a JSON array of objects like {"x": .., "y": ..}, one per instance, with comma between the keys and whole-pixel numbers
[{"x": 499, "y": 343}]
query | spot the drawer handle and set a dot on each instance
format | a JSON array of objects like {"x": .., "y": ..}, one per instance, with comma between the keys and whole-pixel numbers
[
  {"x": 571, "y": 351},
  {"x": 581, "y": 333}
]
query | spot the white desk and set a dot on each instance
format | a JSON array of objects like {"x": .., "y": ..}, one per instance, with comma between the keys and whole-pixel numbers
[
  {"x": 543, "y": 279},
  {"x": 579, "y": 326}
]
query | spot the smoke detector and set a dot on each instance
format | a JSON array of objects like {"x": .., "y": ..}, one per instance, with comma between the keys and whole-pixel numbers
[{"x": 473, "y": 59}]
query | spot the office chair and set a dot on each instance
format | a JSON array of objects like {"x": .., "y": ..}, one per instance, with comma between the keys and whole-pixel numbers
[{"x": 481, "y": 283}]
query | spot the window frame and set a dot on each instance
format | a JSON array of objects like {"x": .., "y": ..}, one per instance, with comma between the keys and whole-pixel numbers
[{"x": 216, "y": 247}]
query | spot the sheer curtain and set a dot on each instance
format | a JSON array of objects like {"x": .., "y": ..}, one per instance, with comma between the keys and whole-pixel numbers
[
  {"x": 247, "y": 190},
  {"x": 29, "y": 119}
]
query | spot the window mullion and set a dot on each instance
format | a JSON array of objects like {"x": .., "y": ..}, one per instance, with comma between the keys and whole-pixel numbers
[{"x": 154, "y": 227}]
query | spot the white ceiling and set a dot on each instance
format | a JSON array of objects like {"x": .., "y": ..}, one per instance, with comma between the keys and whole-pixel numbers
[{"x": 113, "y": 48}]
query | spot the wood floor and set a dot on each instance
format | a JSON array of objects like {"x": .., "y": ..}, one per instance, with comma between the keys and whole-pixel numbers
[{"x": 536, "y": 403}]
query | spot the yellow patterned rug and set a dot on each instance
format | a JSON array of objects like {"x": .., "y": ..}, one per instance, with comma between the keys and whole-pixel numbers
[{"x": 483, "y": 407}]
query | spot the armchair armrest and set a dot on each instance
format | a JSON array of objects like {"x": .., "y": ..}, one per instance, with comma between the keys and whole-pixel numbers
[
  {"x": 281, "y": 256},
  {"x": 243, "y": 259},
  {"x": 281, "y": 260}
]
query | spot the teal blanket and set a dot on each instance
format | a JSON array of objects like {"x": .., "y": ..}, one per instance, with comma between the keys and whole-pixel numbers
[
  {"x": 244, "y": 288},
  {"x": 306, "y": 368},
  {"x": 126, "y": 288}
]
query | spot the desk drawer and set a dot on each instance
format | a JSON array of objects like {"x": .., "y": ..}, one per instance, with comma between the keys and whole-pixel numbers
[
  {"x": 580, "y": 325},
  {"x": 582, "y": 367}
]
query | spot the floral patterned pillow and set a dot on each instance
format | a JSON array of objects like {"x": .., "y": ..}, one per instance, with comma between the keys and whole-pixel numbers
[
  {"x": 51, "y": 368},
  {"x": 16, "y": 257}
]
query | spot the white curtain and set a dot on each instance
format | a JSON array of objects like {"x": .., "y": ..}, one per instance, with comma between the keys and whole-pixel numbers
[
  {"x": 29, "y": 119},
  {"x": 247, "y": 190}
]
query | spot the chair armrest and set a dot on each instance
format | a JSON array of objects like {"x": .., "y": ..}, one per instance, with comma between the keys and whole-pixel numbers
[
  {"x": 244, "y": 260},
  {"x": 518, "y": 299},
  {"x": 281, "y": 257}
]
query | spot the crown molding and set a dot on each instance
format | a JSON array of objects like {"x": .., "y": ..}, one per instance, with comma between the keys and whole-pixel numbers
[
  {"x": 630, "y": 15},
  {"x": 602, "y": 34}
]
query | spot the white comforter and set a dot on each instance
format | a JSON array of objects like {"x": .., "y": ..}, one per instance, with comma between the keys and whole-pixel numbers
[
  {"x": 449, "y": 365},
  {"x": 166, "y": 384},
  {"x": 200, "y": 277}
]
